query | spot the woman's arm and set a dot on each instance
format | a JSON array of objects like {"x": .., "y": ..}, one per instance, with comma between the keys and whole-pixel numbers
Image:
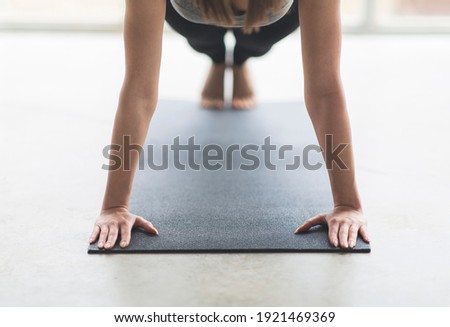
[
  {"x": 144, "y": 21},
  {"x": 325, "y": 101}
]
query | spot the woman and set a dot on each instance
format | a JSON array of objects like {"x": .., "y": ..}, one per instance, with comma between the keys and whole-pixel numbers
[{"x": 257, "y": 25}]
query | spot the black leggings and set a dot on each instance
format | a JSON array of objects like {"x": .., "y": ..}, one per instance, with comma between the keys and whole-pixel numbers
[{"x": 209, "y": 39}]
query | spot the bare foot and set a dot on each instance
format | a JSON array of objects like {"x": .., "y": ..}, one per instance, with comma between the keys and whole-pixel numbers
[
  {"x": 213, "y": 91},
  {"x": 243, "y": 95}
]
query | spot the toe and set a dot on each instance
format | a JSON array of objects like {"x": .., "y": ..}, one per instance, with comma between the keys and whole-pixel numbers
[
  {"x": 243, "y": 103},
  {"x": 212, "y": 103}
]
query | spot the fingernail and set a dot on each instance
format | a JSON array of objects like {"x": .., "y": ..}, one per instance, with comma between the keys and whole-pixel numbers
[
  {"x": 123, "y": 244},
  {"x": 335, "y": 244},
  {"x": 91, "y": 240},
  {"x": 350, "y": 244},
  {"x": 100, "y": 244},
  {"x": 108, "y": 245}
]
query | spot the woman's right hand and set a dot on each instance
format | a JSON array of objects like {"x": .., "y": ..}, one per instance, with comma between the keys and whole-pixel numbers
[{"x": 115, "y": 221}]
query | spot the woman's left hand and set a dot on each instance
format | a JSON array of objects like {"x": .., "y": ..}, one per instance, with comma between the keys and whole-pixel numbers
[{"x": 344, "y": 224}]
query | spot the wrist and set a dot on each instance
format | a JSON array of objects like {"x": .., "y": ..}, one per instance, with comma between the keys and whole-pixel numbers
[
  {"x": 356, "y": 207},
  {"x": 107, "y": 209}
]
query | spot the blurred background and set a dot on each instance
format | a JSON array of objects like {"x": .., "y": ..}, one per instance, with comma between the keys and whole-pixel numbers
[{"x": 359, "y": 15}]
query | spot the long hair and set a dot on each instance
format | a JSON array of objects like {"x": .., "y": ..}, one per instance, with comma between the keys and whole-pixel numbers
[{"x": 222, "y": 12}]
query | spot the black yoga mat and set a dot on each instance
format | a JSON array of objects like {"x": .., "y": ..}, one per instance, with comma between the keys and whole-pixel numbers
[{"x": 232, "y": 203}]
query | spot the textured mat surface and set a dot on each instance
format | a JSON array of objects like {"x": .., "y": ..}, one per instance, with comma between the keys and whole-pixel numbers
[{"x": 231, "y": 209}]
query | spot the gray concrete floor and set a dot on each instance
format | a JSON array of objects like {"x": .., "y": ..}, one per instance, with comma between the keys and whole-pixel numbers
[{"x": 58, "y": 94}]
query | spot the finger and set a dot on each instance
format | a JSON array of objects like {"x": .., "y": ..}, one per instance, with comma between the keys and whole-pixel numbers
[
  {"x": 145, "y": 224},
  {"x": 103, "y": 236},
  {"x": 343, "y": 235},
  {"x": 333, "y": 229},
  {"x": 125, "y": 235},
  {"x": 364, "y": 234},
  {"x": 352, "y": 235},
  {"x": 316, "y": 220},
  {"x": 112, "y": 237},
  {"x": 94, "y": 234}
]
